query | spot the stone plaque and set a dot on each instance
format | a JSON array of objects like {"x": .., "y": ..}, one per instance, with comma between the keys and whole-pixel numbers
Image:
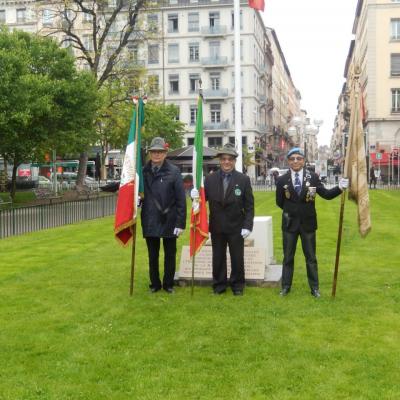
[{"x": 254, "y": 263}]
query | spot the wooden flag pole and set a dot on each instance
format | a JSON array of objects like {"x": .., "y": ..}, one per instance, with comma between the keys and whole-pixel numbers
[
  {"x": 339, "y": 241},
  {"x": 193, "y": 259},
  {"x": 133, "y": 258}
]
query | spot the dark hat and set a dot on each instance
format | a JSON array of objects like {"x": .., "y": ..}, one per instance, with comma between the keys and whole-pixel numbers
[
  {"x": 228, "y": 149},
  {"x": 295, "y": 150},
  {"x": 158, "y": 143}
]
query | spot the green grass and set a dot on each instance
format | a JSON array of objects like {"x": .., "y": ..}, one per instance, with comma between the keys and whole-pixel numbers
[{"x": 69, "y": 330}]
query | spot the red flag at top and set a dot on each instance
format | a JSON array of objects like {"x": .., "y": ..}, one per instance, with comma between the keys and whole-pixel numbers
[{"x": 257, "y": 4}]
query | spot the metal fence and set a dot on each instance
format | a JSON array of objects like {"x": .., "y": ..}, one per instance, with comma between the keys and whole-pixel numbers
[{"x": 17, "y": 221}]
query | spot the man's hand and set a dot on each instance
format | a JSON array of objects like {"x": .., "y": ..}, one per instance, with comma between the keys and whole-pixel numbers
[
  {"x": 343, "y": 183},
  {"x": 245, "y": 233},
  {"x": 139, "y": 202},
  {"x": 178, "y": 232},
  {"x": 194, "y": 194}
]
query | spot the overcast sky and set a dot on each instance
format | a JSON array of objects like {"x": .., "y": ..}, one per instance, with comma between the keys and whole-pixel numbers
[{"x": 315, "y": 38}]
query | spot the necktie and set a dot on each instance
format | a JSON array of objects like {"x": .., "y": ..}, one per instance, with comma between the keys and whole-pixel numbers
[
  {"x": 225, "y": 181},
  {"x": 297, "y": 183},
  {"x": 155, "y": 169}
]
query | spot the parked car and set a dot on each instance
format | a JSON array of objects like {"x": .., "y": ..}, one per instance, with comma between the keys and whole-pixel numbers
[{"x": 110, "y": 186}]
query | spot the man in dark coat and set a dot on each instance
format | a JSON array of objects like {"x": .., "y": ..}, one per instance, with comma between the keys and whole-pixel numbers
[
  {"x": 295, "y": 194},
  {"x": 231, "y": 205},
  {"x": 163, "y": 213}
]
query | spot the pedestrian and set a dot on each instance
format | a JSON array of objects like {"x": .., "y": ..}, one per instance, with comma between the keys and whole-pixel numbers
[
  {"x": 295, "y": 195},
  {"x": 372, "y": 177},
  {"x": 163, "y": 213},
  {"x": 231, "y": 203}
]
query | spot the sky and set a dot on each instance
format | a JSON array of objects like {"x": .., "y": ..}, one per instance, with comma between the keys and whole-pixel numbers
[{"x": 315, "y": 38}]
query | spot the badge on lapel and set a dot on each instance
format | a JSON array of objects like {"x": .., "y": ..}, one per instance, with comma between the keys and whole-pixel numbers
[
  {"x": 238, "y": 192},
  {"x": 287, "y": 193}
]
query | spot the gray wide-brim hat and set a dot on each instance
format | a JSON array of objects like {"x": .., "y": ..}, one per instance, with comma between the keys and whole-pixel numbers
[
  {"x": 228, "y": 149},
  {"x": 158, "y": 143}
]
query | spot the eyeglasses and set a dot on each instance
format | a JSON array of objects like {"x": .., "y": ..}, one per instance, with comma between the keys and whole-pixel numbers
[
  {"x": 230, "y": 159},
  {"x": 296, "y": 158}
]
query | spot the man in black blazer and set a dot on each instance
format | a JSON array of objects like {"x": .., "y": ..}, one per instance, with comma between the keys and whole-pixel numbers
[
  {"x": 295, "y": 195},
  {"x": 231, "y": 205}
]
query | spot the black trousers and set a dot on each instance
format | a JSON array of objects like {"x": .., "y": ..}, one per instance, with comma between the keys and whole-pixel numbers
[
  {"x": 219, "y": 242},
  {"x": 289, "y": 250},
  {"x": 153, "y": 247}
]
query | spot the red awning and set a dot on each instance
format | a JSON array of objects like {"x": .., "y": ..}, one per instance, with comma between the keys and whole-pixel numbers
[{"x": 384, "y": 160}]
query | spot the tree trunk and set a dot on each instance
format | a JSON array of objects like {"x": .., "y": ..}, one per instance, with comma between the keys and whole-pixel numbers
[{"x": 83, "y": 159}]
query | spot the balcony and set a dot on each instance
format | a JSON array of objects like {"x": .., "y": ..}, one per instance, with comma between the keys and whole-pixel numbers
[
  {"x": 212, "y": 62},
  {"x": 216, "y": 126},
  {"x": 215, "y": 94},
  {"x": 214, "y": 31}
]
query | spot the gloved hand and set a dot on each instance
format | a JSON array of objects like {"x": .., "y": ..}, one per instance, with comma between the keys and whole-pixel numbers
[
  {"x": 245, "y": 233},
  {"x": 343, "y": 183},
  {"x": 194, "y": 193},
  {"x": 139, "y": 202},
  {"x": 178, "y": 232}
]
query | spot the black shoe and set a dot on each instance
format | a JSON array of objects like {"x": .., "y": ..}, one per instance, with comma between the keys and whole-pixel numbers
[
  {"x": 169, "y": 290},
  {"x": 237, "y": 292},
  {"x": 154, "y": 290},
  {"x": 284, "y": 292},
  {"x": 219, "y": 291},
  {"x": 315, "y": 293}
]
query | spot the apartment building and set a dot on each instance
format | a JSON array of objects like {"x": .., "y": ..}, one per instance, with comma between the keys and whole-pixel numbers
[
  {"x": 188, "y": 41},
  {"x": 376, "y": 52},
  {"x": 18, "y": 14}
]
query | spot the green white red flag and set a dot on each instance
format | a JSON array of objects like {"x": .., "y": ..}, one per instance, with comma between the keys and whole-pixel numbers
[
  {"x": 198, "y": 219},
  {"x": 131, "y": 178}
]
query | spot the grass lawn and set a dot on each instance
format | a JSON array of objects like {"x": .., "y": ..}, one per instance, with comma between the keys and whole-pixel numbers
[{"x": 69, "y": 330}]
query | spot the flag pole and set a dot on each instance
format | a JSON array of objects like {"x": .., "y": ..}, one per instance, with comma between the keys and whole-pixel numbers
[
  {"x": 134, "y": 206},
  {"x": 339, "y": 241},
  {"x": 238, "y": 94},
  {"x": 193, "y": 261}
]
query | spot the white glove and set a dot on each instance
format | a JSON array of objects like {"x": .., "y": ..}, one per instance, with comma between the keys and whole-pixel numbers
[
  {"x": 194, "y": 193},
  {"x": 139, "y": 202},
  {"x": 343, "y": 183},
  {"x": 245, "y": 233},
  {"x": 178, "y": 232}
]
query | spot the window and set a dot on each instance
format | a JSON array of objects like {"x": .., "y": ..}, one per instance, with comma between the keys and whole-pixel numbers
[
  {"x": 193, "y": 22},
  {"x": 87, "y": 17},
  {"x": 154, "y": 87},
  {"x": 173, "y": 53},
  {"x": 173, "y": 84},
  {"x": 233, "y": 141},
  {"x": 213, "y": 18},
  {"x": 190, "y": 141},
  {"x": 214, "y": 50},
  {"x": 215, "y": 80},
  {"x": 173, "y": 23},
  {"x": 152, "y": 22},
  {"x": 2, "y": 16},
  {"x": 88, "y": 42},
  {"x": 395, "y": 100},
  {"x": 395, "y": 64},
  {"x": 193, "y": 114},
  {"x": 194, "y": 54},
  {"x": 21, "y": 15},
  {"x": 47, "y": 18},
  {"x": 194, "y": 82},
  {"x": 153, "y": 52},
  {"x": 215, "y": 113},
  {"x": 233, "y": 112},
  {"x": 215, "y": 142},
  {"x": 233, "y": 20}
]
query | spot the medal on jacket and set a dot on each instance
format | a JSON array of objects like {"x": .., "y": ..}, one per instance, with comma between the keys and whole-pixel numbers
[
  {"x": 238, "y": 192},
  {"x": 287, "y": 193}
]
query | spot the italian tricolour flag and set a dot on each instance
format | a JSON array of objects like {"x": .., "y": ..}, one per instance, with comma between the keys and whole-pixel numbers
[
  {"x": 199, "y": 222},
  {"x": 131, "y": 179}
]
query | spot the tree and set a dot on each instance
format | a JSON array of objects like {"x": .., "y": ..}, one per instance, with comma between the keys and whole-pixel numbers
[
  {"x": 161, "y": 120},
  {"x": 45, "y": 103},
  {"x": 99, "y": 35}
]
